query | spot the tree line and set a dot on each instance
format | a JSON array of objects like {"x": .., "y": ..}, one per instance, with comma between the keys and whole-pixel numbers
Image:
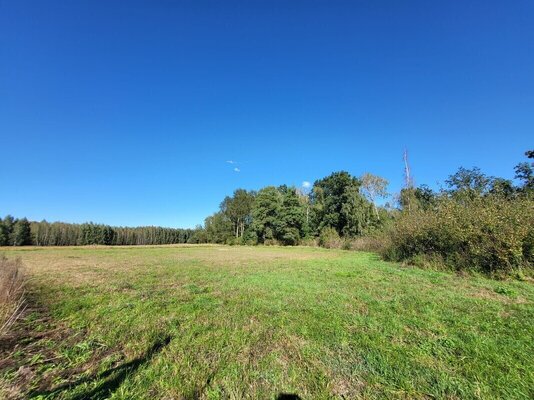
[
  {"x": 272, "y": 215},
  {"x": 21, "y": 232},
  {"x": 288, "y": 215},
  {"x": 476, "y": 222}
]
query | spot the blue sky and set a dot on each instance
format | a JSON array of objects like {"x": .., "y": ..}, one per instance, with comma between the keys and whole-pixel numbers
[{"x": 126, "y": 112}]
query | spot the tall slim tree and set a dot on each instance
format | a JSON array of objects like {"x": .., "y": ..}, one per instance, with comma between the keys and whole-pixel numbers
[{"x": 374, "y": 187}]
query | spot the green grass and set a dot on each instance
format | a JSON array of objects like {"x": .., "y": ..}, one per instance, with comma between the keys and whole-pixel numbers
[{"x": 239, "y": 322}]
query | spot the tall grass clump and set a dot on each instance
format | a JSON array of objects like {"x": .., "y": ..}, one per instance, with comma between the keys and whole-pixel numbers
[
  {"x": 489, "y": 234},
  {"x": 12, "y": 303},
  {"x": 376, "y": 243}
]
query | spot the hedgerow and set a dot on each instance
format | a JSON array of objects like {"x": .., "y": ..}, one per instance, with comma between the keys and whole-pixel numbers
[{"x": 486, "y": 234}]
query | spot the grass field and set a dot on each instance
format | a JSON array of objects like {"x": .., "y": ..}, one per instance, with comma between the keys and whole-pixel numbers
[{"x": 259, "y": 322}]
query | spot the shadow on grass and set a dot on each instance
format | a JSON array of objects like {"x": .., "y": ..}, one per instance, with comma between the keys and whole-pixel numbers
[
  {"x": 112, "y": 377},
  {"x": 288, "y": 396}
]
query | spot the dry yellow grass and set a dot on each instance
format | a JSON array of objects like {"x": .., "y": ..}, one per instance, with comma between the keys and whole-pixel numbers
[{"x": 11, "y": 293}]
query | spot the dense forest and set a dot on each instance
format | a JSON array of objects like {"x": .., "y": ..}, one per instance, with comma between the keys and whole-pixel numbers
[
  {"x": 21, "y": 232},
  {"x": 476, "y": 222}
]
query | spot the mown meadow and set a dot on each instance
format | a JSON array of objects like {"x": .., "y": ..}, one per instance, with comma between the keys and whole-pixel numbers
[{"x": 214, "y": 322}]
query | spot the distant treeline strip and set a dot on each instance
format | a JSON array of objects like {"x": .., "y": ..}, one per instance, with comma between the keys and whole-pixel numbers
[{"x": 21, "y": 232}]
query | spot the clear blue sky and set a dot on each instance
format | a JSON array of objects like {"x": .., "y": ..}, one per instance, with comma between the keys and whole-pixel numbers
[{"x": 126, "y": 112}]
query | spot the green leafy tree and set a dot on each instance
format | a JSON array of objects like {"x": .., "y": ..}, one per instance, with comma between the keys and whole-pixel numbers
[
  {"x": 199, "y": 236},
  {"x": 358, "y": 214},
  {"x": 4, "y": 234},
  {"x": 8, "y": 225},
  {"x": 502, "y": 187},
  {"x": 291, "y": 217},
  {"x": 337, "y": 203},
  {"x": 374, "y": 187},
  {"x": 218, "y": 228},
  {"x": 238, "y": 209},
  {"x": 421, "y": 197},
  {"x": 265, "y": 213},
  {"x": 21, "y": 235},
  {"x": 525, "y": 172},
  {"x": 468, "y": 183}
]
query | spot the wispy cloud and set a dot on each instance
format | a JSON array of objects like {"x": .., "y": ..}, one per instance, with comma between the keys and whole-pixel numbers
[
  {"x": 234, "y": 165},
  {"x": 306, "y": 185}
]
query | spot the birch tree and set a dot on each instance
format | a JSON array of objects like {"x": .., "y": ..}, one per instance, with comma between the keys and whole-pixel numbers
[{"x": 374, "y": 187}]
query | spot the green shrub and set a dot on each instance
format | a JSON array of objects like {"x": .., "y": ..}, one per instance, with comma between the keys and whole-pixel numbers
[
  {"x": 291, "y": 237},
  {"x": 250, "y": 238},
  {"x": 490, "y": 234},
  {"x": 346, "y": 244},
  {"x": 233, "y": 241},
  {"x": 309, "y": 241},
  {"x": 329, "y": 238},
  {"x": 271, "y": 242}
]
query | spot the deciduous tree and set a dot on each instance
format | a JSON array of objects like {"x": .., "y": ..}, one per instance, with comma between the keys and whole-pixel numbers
[
  {"x": 374, "y": 187},
  {"x": 21, "y": 235}
]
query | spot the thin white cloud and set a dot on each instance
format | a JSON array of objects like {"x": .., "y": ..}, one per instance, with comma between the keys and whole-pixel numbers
[
  {"x": 237, "y": 169},
  {"x": 231, "y": 162},
  {"x": 306, "y": 185}
]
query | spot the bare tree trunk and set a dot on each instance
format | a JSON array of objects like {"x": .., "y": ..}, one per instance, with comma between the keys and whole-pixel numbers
[
  {"x": 408, "y": 179},
  {"x": 376, "y": 211}
]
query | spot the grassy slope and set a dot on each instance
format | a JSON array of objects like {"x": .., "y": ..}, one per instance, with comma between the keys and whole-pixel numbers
[{"x": 256, "y": 322}]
